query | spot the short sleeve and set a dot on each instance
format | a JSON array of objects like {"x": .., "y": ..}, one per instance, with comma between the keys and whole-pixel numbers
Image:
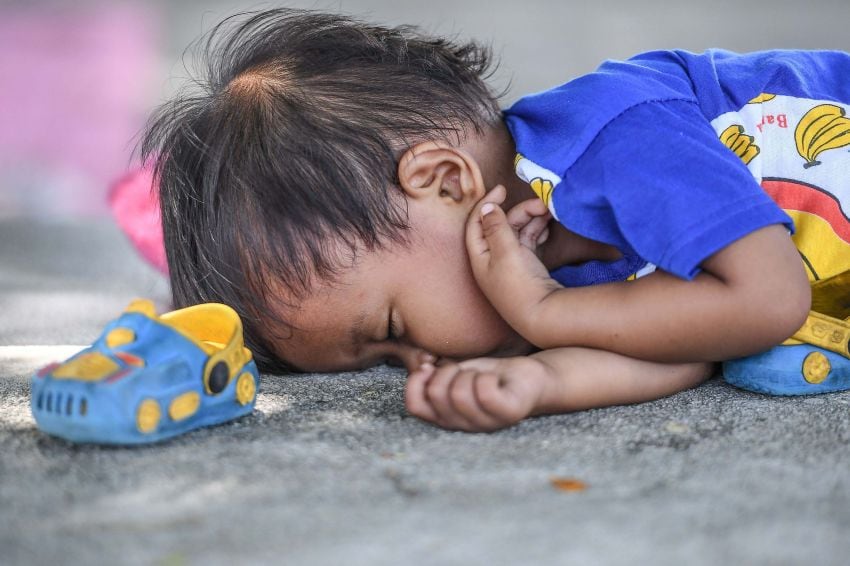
[{"x": 657, "y": 179}]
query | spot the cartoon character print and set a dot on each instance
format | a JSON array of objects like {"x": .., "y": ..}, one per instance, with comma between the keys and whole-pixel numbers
[
  {"x": 816, "y": 196},
  {"x": 763, "y": 97},
  {"x": 543, "y": 189},
  {"x": 763, "y": 135},
  {"x": 740, "y": 143},
  {"x": 822, "y": 128},
  {"x": 541, "y": 180},
  {"x": 822, "y": 230},
  {"x": 735, "y": 138}
]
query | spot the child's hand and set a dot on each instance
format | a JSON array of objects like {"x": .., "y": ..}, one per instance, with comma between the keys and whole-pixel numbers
[
  {"x": 478, "y": 395},
  {"x": 501, "y": 252},
  {"x": 529, "y": 220}
]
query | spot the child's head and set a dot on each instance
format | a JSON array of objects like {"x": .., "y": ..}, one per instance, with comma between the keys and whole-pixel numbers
[{"x": 290, "y": 190}]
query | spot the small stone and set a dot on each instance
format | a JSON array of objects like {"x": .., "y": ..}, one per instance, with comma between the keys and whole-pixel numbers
[{"x": 674, "y": 427}]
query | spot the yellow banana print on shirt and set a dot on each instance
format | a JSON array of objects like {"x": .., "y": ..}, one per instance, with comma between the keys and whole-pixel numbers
[
  {"x": 543, "y": 189},
  {"x": 823, "y": 127},
  {"x": 541, "y": 180},
  {"x": 763, "y": 97},
  {"x": 740, "y": 143}
]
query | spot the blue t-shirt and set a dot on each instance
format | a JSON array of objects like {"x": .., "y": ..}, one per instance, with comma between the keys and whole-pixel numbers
[{"x": 671, "y": 156}]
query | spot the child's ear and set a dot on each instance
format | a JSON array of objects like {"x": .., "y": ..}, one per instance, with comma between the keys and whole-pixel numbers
[{"x": 435, "y": 170}]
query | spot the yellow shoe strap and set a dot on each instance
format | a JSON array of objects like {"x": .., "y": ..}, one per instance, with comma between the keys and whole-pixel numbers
[
  {"x": 832, "y": 296},
  {"x": 825, "y": 332}
]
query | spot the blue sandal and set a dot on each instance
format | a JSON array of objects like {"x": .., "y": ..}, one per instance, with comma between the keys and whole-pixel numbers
[
  {"x": 816, "y": 359},
  {"x": 149, "y": 377}
]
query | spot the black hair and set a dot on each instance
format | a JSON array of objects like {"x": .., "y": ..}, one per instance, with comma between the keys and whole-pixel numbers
[{"x": 290, "y": 141}]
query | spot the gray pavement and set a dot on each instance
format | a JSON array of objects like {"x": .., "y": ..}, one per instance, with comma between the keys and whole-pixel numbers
[{"x": 330, "y": 470}]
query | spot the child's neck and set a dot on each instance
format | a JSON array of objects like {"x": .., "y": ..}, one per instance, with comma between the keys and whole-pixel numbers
[{"x": 495, "y": 155}]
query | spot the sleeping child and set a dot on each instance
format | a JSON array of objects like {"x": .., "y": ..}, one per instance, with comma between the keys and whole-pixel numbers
[{"x": 358, "y": 196}]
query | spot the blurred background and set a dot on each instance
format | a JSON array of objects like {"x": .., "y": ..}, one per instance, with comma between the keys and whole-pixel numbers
[{"x": 78, "y": 78}]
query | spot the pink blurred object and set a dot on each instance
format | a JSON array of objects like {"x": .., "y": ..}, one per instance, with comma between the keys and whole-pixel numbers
[
  {"x": 76, "y": 84},
  {"x": 135, "y": 205}
]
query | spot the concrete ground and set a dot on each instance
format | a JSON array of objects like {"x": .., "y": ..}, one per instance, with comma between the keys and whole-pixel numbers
[{"x": 329, "y": 469}]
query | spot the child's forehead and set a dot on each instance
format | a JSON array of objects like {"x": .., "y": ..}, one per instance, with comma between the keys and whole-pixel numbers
[
  {"x": 341, "y": 304},
  {"x": 328, "y": 329}
]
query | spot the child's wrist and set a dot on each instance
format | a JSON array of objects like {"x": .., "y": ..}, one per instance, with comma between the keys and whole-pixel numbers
[
  {"x": 551, "y": 394},
  {"x": 535, "y": 325}
]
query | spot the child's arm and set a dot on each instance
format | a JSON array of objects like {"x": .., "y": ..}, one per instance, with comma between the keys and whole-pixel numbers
[
  {"x": 491, "y": 393},
  {"x": 750, "y": 296}
]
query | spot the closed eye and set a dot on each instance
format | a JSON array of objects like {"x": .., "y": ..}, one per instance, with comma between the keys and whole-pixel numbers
[{"x": 392, "y": 331}]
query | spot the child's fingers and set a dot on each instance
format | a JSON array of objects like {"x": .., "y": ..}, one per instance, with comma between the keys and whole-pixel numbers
[
  {"x": 497, "y": 195},
  {"x": 412, "y": 359},
  {"x": 522, "y": 213},
  {"x": 476, "y": 244},
  {"x": 535, "y": 232},
  {"x": 481, "y": 364},
  {"x": 491, "y": 390},
  {"x": 499, "y": 235},
  {"x": 414, "y": 393},
  {"x": 465, "y": 402},
  {"x": 445, "y": 360},
  {"x": 497, "y": 399},
  {"x": 437, "y": 392}
]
